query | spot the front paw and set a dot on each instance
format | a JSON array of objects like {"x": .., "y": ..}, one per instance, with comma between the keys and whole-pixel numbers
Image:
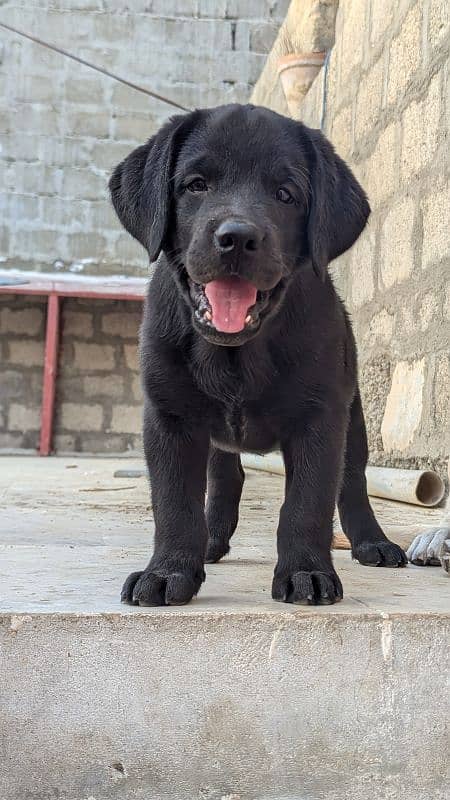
[
  {"x": 306, "y": 587},
  {"x": 162, "y": 584},
  {"x": 217, "y": 549},
  {"x": 381, "y": 553}
]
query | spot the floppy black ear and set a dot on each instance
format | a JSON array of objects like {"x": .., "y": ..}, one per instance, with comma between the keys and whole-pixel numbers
[
  {"x": 338, "y": 207},
  {"x": 140, "y": 186}
]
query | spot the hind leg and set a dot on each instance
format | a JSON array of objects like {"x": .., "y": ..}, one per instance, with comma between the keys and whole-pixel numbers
[
  {"x": 369, "y": 544},
  {"x": 225, "y": 482}
]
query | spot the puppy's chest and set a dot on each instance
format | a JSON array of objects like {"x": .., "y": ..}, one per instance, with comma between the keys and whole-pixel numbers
[
  {"x": 240, "y": 401},
  {"x": 236, "y": 427},
  {"x": 235, "y": 422}
]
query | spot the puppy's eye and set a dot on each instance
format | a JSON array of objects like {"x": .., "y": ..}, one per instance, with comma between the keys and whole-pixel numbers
[
  {"x": 197, "y": 185},
  {"x": 284, "y": 196}
]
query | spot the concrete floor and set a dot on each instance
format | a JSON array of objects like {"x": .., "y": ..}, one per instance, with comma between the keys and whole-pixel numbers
[
  {"x": 233, "y": 697},
  {"x": 77, "y": 532}
]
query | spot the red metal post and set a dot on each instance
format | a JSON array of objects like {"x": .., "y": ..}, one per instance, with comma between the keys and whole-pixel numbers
[{"x": 50, "y": 370}]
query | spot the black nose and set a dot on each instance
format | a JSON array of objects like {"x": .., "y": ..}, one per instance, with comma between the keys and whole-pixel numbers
[{"x": 235, "y": 235}]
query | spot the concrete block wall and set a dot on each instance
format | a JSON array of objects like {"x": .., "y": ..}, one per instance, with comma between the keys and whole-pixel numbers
[
  {"x": 387, "y": 111},
  {"x": 98, "y": 390},
  {"x": 63, "y": 127}
]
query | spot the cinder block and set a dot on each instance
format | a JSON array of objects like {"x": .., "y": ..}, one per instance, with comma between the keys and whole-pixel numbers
[
  {"x": 342, "y": 132},
  {"x": 5, "y": 121},
  {"x": 125, "y": 100},
  {"x": 37, "y": 243},
  {"x": 111, "y": 386},
  {"x": 26, "y": 352},
  {"x": 257, "y": 9},
  {"x": 23, "y": 148},
  {"x": 34, "y": 89},
  {"x": 64, "y": 443},
  {"x": 129, "y": 251},
  {"x": 35, "y": 178},
  {"x": 397, "y": 249},
  {"x": 85, "y": 246},
  {"x": 212, "y": 9},
  {"x": 43, "y": 120},
  {"x": 446, "y": 306},
  {"x": 361, "y": 269},
  {"x": 405, "y": 53},
  {"x": 93, "y": 356},
  {"x": 380, "y": 330},
  {"x": 84, "y": 184},
  {"x": 131, "y": 356},
  {"x": 435, "y": 220},
  {"x": 126, "y": 419},
  {"x": 121, "y": 323},
  {"x": 103, "y": 443},
  {"x": 369, "y": 100},
  {"x": 27, "y": 321},
  {"x": 23, "y": 418},
  {"x": 85, "y": 91},
  {"x": 262, "y": 36},
  {"x": 381, "y": 17},
  {"x": 84, "y": 123},
  {"x": 4, "y": 240},
  {"x": 24, "y": 208},
  {"x": 13, "y": 384},
  {"x": 106, "y": 155},
  {"x": 441, "y": 400},
  {"x": 352, "y": 18},
  {"x": 77, "y": 323},
  {"x": 9, "y": 440},
  {"x": 56, "y": 150},
  {"x": 135, "y": 128},
  {"x": 136, "y": 387},
  {"x": 54, "y": 211},
  {"x": 114, "y": 29},
  {"x": 421, "y": 131},
  {"x": 428, "y": 312},
  {"x": 381, "y": 169},
  {"x": 438, "y": 22},
  {"x": 175, "y": 8},
  {"x": 100, "y": 216},
  {"x": 81, "y": 417},
  {"x": 403, "y": 410}
]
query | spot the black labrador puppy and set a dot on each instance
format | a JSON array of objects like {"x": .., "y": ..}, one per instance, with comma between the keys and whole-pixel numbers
[{"x": 245, "y": 346}]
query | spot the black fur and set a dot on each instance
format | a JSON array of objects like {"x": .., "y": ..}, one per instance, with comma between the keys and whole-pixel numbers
[{"x": 289, "y": 380}]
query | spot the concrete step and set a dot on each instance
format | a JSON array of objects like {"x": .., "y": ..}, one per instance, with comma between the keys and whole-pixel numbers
[{"x": 233, "y": 697}]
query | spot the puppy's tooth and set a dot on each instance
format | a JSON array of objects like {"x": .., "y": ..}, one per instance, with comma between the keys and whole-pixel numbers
[
  {"x": 248, "y": 319},
  {"x": 207, "y": 315}
]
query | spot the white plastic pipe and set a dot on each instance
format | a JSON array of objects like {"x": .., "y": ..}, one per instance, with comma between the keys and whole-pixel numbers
[{"x": 420, "y": 487}]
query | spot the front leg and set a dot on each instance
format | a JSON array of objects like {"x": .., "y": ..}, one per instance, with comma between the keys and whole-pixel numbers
[
  {"x": 176, "y": 455},
  {"x": 225, "y": 482},
  {"x": 313, "y": 457}
]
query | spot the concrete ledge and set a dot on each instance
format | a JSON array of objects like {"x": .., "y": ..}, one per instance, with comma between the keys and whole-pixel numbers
[
  {"x": 173, "y": 706},
  {"x": 233, "y": 697}
]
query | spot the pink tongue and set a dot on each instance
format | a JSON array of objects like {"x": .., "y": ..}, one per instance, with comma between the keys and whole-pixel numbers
[{"x": 230, "y": 298}]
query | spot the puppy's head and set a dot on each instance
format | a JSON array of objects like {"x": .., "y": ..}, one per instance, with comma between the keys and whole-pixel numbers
[{"x": 240, "y": 199}]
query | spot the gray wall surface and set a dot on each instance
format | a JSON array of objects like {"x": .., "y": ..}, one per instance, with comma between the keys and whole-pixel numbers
[
  {"x": 386, "y": 109},
  {"x": 63, "y": 126}
]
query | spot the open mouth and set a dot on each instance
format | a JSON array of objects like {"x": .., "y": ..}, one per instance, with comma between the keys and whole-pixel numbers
[{"x": 229, "y": 305}]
